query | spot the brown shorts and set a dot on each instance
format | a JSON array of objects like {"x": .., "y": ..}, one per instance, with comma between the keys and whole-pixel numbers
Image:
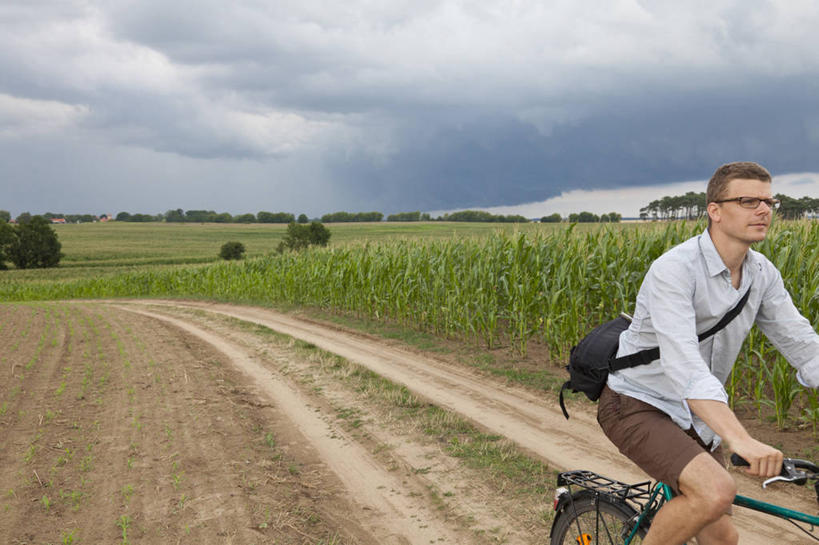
[{"x": 649, "y": 438}]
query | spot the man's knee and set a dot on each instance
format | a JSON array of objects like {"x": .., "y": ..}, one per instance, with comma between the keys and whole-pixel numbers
[{"x": 709, "y": 485}]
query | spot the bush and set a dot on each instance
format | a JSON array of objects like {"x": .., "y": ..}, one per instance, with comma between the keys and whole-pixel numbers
[
  {"x": 301, "y": 236},
  {"x": 232, "y": 250},
  {"x": 32, "y": 244}
]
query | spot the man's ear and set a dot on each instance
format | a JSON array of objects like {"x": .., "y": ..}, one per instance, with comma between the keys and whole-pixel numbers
[{"x": 714, "y": 212}]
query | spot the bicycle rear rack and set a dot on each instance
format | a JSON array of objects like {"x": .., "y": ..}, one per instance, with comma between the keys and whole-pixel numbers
[{"x": 639, "y": 493}]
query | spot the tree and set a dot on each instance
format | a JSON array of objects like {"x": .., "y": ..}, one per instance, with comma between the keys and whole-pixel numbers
[
  {"x": 244, "y": 218},
  {"x": 554, "y": 218},
  {"x": 342, "y": 217},
  {"x": 278, "y": 217},
  {"x": 35, "y": 245},
  {"x": 124, "y": 216},
  {"x": 301, "y": 236},
  {"x": 232, "y": 250},
  {"x": 482, "y": 216},
  {"x": 303, "y": 218},
  {"x": 405, "y": 216},
  {"x": 25, "y": 217},
  {"x": 5, "y": 216},
  {"x": 7, "y": 236},
  {"x": 175, "y": 215},
  {"x": 584, "y": 217}
]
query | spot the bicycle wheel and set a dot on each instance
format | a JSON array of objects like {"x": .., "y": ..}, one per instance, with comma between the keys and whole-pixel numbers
[{"x": 590, "y": 522}]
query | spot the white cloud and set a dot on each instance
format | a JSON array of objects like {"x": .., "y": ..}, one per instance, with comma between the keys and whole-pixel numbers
[
  {"x": 628, "y": 201},
  {"x": 21, "y": 117}
]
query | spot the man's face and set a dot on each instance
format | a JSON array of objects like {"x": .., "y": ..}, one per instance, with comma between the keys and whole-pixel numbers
[{"x": 743, "y": 224}]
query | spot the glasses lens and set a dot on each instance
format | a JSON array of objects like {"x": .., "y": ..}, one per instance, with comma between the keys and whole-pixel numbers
[{"x": 753, "y": 202}]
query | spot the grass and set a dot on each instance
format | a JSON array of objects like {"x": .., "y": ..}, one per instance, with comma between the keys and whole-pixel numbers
[{"x": 499, "y": 458}]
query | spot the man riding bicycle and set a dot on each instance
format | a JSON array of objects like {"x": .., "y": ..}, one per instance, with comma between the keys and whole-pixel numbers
[{"x": 671, "y": 417}]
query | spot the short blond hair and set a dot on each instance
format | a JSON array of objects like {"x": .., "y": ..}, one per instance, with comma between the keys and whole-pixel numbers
[{"x": 718, "y": 183}]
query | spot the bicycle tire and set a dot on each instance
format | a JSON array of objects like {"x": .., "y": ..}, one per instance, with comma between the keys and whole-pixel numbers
[{"x": 579, "y": 524}]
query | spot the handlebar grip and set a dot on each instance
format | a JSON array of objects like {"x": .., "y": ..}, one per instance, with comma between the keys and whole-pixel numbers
[{"x": 739, "y": 461}]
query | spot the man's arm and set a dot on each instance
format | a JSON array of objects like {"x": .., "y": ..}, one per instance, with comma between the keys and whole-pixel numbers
[
  {"x": 788, "y": 330},
  {"x": 765, "y": 460}
]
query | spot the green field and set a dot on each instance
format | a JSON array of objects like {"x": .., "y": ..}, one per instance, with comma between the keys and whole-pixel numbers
[
  {"x": 106, "y": 249},
  {"x": 490, "y": 284}
]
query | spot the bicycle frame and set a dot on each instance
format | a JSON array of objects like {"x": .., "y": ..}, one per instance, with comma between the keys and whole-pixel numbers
[
  {"x": 776, "y": 510},
  {"x": 664, "y": 493},
  {"x": 648, "y": 500}
]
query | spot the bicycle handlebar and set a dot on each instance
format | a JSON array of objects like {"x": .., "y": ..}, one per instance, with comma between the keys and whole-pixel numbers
[{"x": 794, "y": 470}]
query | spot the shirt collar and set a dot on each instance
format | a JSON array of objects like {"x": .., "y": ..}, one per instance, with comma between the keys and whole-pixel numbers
[{"x": 713, "y": 261}]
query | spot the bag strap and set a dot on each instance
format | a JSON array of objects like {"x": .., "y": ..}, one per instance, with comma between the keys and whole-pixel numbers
[
  {"x": 566, "y": 385},
  {"x": 648, "y": 355}
]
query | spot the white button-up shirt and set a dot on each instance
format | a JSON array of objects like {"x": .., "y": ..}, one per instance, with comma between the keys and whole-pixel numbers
[{"x": 687, "y": 291}]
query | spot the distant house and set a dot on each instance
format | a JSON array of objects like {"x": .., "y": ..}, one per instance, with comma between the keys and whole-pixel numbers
[
  {"x": 57, "y": 220},
  {"x": 106, "y": 217}
]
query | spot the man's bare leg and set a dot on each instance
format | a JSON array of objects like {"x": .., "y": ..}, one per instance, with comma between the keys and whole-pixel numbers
[
  {"x": 719, "y": 532},
  {"x": 707, "y": 491}
]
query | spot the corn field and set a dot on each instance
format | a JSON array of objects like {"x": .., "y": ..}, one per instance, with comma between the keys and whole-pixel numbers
[{"x": 502, "y": 290}]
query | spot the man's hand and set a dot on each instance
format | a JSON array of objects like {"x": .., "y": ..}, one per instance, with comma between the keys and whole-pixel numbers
[{"x": 765, "y": 460}]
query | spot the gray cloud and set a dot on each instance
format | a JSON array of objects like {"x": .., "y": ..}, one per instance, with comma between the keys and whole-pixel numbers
[{"x": 396, "y": 105}]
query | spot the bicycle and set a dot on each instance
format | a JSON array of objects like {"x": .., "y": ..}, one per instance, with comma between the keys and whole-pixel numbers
[{"x": 603, "y": 510}]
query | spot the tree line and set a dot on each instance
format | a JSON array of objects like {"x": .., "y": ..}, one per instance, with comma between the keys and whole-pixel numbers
[
  {"x": 211, "y": 216},
  {"x": 692, "y": 206}
]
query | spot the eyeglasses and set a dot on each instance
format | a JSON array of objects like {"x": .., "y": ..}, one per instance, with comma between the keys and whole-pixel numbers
[{"x": 752, "y": 203}]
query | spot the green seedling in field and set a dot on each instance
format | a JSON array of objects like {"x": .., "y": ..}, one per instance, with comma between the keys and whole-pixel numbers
[
  {"x": 68, "y": 537},
  {"x": 32, "y": 450},
  {"x": 46, "y": 501},
  {"x": 87, "y": 463},
  {"x": 74, "y": 496},
  {"x": 127, "y": 492},
  {"x": 270, "y": 440},
  {"x": 124, "y": 523}
]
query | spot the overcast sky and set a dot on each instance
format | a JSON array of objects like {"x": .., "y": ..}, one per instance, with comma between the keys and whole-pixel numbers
[{"x": 396, "y": 105}]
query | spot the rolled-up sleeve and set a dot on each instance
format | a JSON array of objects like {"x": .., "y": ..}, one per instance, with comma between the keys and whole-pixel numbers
[
  {"x": 789, "y": 331},
  {"x": 673, "y": 319}
]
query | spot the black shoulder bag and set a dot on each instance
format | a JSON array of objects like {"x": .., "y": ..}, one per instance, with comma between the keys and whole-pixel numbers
[{"x": 593, "y": 358}]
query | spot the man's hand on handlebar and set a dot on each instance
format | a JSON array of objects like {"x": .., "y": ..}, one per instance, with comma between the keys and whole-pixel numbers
[{"x": 762, "y": 460}]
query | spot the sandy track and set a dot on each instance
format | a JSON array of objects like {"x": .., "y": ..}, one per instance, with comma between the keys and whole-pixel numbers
[
  {"x": 534, "y": 423},
  {"x": 394, "y": 517}
]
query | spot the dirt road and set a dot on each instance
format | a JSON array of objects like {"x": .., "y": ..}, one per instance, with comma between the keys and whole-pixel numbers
[
  {"x": 178, "y": 422},
  {"x": 532, "y": 422}
]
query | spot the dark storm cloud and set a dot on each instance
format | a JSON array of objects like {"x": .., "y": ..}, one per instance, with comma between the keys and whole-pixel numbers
[{"x": 505, "y": 161}]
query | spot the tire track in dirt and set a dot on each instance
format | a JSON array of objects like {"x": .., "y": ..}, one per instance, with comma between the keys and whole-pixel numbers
[
  {"x": 394, "y": 517},
  {"x": 530, "y": 421}
]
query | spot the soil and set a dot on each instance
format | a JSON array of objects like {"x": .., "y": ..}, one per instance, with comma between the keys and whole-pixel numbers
[{"x": 177, "y": 422}]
